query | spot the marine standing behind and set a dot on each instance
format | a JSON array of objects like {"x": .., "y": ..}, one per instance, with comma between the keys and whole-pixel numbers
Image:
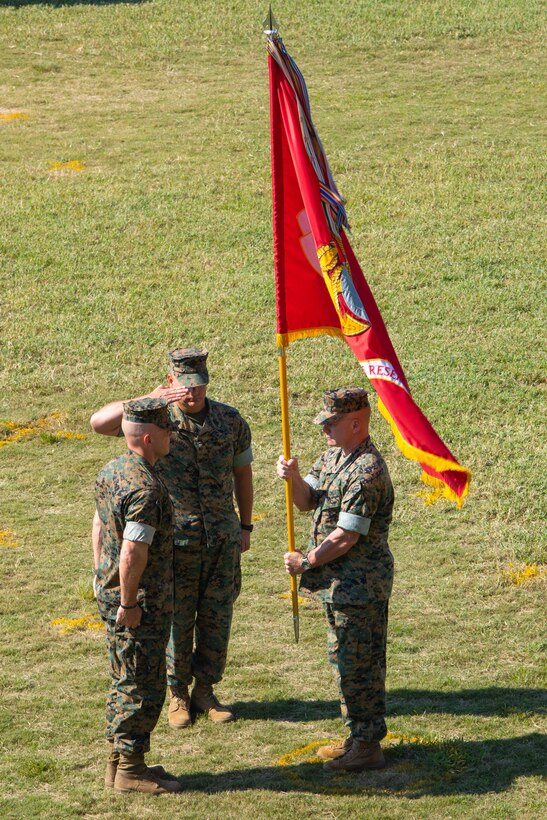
[
  {"x": 349, "y": 567},
  {"x": 134, "y": 592},
  {"x": 209, "y": 462}
]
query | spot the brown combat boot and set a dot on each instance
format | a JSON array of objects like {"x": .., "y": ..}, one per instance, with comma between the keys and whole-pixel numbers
[
  {"x": 112, "y": 768},
  {"x": 335, "y": 750},
  {"x": 203, "y": 701},
  {"x": 361, "y": 755},
  {"x": 178, "y": 712},
  {"x": 133, "y": 775}
]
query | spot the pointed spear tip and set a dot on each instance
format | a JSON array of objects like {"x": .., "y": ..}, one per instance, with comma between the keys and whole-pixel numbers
[
  {"x": 270, "y": 23},
  {"x": 296, "y": 624}
]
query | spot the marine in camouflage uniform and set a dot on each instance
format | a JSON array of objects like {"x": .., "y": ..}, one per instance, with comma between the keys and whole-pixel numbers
[
  {"x": 350, "y": 492},
  {"x": 135, "y": 510},
  {"x": 210, "y": 460},
  {"x": 206, "y": 451}
]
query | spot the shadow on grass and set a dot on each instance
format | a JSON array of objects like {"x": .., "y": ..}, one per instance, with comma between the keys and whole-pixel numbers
[
  {"x": 413, "y": 770},
  {"x": 492, "y": 700},
  {"x": 291, "y": 710}
]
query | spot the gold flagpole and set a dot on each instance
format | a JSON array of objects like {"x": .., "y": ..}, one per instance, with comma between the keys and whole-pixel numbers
[
  {"x": 270, "y": 30},
  {"x": 286, "y": 435}
]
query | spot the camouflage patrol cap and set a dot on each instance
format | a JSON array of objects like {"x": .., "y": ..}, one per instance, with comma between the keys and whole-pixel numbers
[
  {"x": 148, "y": 411},
  {"x": 338, "y": 402},
  {"x": 189, "y": 365}
]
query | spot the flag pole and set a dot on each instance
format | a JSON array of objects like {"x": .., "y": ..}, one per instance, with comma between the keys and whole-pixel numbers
[
  {"x": 271, "y": 31},
  {"x": 286, "y": 437}
]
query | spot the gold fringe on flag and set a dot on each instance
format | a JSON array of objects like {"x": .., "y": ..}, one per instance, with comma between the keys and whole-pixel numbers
[{"x": 441, "y": 490}]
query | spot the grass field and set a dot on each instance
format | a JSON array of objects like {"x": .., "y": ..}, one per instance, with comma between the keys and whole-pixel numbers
[{"x": 135, "y": 203}]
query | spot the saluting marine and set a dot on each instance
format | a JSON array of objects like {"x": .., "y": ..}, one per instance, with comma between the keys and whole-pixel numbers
[{"x": 209, "y": 463}]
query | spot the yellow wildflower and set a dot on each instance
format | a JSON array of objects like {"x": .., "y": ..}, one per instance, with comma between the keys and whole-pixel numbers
[
  {"x": 72, "y": 165},
  {"x": 10, "y": 425},
  {"x": 521, "y": 574},
  {"x": 7, "y": 116},
  {"x": 70, "y": 625},
  {"x": 17, "y": 430},
  {"x": 19, "y": 433},
  {"x": 7, "y": 538}
]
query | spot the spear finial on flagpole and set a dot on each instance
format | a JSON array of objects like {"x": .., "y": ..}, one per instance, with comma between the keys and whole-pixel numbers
[{"x": 270, "y": 24}]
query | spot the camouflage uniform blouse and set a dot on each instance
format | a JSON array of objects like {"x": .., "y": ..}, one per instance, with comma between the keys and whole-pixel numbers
[
  {"x": 199, "y": 468},
  {"x": 133, "y": 503},
  {"x": 355, "y": 493}
]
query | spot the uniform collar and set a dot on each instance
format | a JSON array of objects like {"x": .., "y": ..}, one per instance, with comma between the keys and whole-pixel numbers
[
  {"x": 185, "y": 421},
  {"x": 362, "y": 447},
  {"x": 141, "y": 460}
]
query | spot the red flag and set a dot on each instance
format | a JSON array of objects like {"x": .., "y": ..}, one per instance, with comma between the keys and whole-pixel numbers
[{"x": 320, "y": 288}]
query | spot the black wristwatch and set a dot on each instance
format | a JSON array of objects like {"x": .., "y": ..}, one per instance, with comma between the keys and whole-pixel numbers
[
  {"x": 247, "y": 527},
  {"x": 133, "y": 606},
  {"x": 305, "y": 564}
]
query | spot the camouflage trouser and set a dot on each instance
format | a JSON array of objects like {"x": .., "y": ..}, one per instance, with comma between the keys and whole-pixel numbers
[
  {"x": 207, "y": 582},
  {"x": 357, "y": 651},
  {"x": 137, "y": 690}
]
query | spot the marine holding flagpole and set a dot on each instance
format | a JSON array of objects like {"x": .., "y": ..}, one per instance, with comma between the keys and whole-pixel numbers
[
  {"x": 321, "y": 290},
  {"x": 349, "y": 568}
]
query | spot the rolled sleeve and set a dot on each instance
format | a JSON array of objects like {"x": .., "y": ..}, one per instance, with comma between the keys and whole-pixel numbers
[
  {"x": 358, "y": 505},
  {"x": 312, "y": 481},
  {"x": 241, "y": 459},
  {"x": 141, "y": 515},
  {"x": 139, "y": 532},
  {"x": 353, "y": 523}
]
